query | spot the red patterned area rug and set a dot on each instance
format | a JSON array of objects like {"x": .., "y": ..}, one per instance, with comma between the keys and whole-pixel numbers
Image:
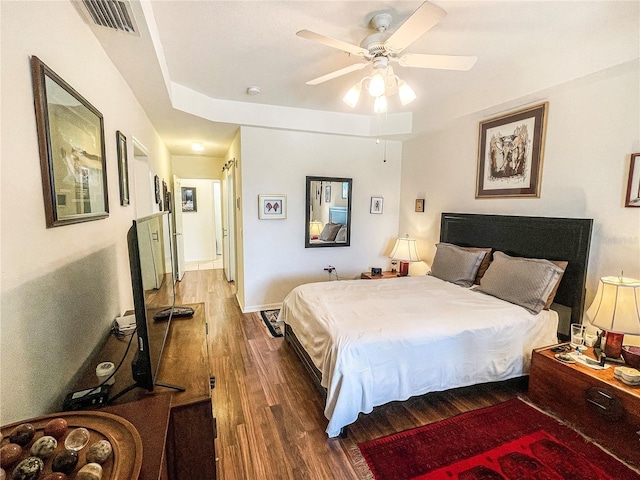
[{"x": 511, "y": 440}]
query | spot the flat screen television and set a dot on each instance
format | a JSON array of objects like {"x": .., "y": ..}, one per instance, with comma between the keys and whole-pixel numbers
[{"x": 152, "y": 281}]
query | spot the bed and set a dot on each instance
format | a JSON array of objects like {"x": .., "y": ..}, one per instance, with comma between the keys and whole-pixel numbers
[{"x": 366, "y": 343}]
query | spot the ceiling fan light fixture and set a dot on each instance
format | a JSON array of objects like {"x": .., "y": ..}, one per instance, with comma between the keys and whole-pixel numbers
[
  {"x": 376, "y": 85},
  {"x": 406, "y": 93},
  {"x": 353, "y": 95},
  {"x": 380, "y": 104}
]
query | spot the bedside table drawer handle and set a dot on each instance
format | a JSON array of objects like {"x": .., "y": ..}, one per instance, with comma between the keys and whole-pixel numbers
[
  {"x": 608, "y": 406},
  {"x": 593, "y": 402}
]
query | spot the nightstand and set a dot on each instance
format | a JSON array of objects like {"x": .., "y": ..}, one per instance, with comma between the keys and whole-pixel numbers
[
  {"x": 368, "y": 276},
  {"x": 592, "y": 401}
]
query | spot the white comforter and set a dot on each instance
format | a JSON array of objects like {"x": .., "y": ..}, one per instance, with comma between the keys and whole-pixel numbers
[{"x": 381, "y": 340}]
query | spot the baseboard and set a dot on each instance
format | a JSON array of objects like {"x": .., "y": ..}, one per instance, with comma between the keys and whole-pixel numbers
[{"x": 259, "y": 308}]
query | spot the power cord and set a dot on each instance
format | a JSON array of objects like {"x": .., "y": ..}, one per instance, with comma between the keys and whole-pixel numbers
[
  {"x": 333, "y": 272},
  {"x": 119, "y": 335}
]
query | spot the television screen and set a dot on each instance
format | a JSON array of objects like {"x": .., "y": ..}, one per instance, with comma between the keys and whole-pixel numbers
[{"x": 150, "y": 259}]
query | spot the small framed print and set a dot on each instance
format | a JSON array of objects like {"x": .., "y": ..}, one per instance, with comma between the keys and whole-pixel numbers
[
  {"x": 376, "y": 205},
  {"x": 345, "y": 189},
  {"x": 189, "y": 199},
  {"x": 633, "y": 185},
  {"x": 327, "y": 194},
  {"x": 156, "y": 183},
  {"x": 272, "y": 207},
  {"x": 420, "y": 205}
]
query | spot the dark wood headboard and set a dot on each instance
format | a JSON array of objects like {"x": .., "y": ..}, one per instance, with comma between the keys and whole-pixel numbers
[{"x": 532, "y": 237}]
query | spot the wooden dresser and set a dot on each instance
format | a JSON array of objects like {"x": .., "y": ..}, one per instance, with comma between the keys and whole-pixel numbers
[
  {"x": 592, "y": 401},
  {"x": 188, "y": 451}
]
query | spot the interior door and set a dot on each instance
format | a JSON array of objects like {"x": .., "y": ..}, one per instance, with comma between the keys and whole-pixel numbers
[
  {"x": 228, "y": 225},
  {"x": 178, "y": 243}
]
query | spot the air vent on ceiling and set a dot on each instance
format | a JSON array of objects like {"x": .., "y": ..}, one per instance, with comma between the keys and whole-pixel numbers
[{"x": 111, "y": 14}]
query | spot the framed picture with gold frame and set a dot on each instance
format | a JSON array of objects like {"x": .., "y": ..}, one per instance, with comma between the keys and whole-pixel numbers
[
  {"x": 72, "y": 151},
  {"x": 510, "y": 154}
]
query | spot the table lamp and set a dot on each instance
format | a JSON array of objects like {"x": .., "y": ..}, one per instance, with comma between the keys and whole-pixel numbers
[
  {"x": 616, "y": 310},
  {"x": 405, "y": 250},
  {"x": 315, "y": 229}
]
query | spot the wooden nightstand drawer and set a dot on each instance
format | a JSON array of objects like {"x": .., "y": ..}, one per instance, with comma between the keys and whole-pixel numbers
[{"x": 592, "y": 401}]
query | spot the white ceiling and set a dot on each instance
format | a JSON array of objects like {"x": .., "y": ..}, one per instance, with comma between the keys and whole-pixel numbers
[{"x": 216, "y": 49}]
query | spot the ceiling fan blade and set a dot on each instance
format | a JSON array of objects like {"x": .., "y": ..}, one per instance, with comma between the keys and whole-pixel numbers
[
  {"x": 337, "y": 73},
  {"x": 331, "y": 42},
  {"x": 442, "y": 62},
  {"x": 420, "y": 21}
]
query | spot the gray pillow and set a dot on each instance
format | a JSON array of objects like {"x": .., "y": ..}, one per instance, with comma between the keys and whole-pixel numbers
[
  {"x": 341, "y": 236},
  {"x": 456, "y": 265},
  {"x": 329, "y": 232},
  {"x": 522, "y": 281}
]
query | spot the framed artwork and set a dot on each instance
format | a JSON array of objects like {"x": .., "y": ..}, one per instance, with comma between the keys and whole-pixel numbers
[
  {"x": 345, "y": 189},
  {"x": 156, "y": 183},
  {"x": 123, "y": 167},
  {"x": 633, "y": 185},
  {"x": 376, "y": 205},
  {"x": 72, "y": 151},
  {"x": 189, "y": 199},
  {"x": 169, "y": 203},
  {"x": 420, "y": 205},
  {"x": 165, "y": 196},
  {"x": 272, "y": 207},
  {"x": 510, "y": 152},
  {"x": 327, "y": 194}
]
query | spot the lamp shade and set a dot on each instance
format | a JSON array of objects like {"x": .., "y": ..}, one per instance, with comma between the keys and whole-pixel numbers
[
  {"x": 380, "y": 104},
  {"x": 376, "y": 85},
  {"x": 315, "y": 229},
  {"x": 406, "y": 93},
  {"x": 616, "y": 307},
  {"x": 353, "y": 95},
  {"x": 405, "y": 250}
]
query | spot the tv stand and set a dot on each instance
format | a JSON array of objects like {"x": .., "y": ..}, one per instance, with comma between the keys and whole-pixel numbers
[
  {"x": 112, "y": 400},
  {"x": 169, "y": 385},
  {"x": 185, "y": 446}
]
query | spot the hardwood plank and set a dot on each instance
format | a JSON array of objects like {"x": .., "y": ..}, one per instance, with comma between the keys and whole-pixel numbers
[{"x": 270, "y": 419}]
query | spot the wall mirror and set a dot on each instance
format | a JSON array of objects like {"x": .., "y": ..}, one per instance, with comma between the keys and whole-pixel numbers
[{"x": 328, "y": 212}]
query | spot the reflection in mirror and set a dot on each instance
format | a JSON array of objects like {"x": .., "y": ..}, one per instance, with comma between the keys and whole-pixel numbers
[{"x": 328, "y": 212}]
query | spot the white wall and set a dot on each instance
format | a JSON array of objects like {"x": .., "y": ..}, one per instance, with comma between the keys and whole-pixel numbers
[
  {"x": 277, "y": 162},
  {"x": 593, "y": 127},
  {"x": 63, "y": 286},
  {"x": 198, "y": 228},
  {"x": 197, "y": 166}
]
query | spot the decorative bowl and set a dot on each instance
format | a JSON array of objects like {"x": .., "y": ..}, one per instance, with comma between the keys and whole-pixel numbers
[{"x": 631, "y": 356}]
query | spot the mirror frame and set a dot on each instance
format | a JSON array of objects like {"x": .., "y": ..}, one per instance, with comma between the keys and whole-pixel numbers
[{"x": 307, "y": 218}]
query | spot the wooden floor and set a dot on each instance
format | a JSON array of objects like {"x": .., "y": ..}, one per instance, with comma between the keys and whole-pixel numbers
[{"x": 269, "y": 414}]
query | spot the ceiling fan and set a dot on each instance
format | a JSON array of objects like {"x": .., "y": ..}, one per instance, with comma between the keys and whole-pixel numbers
[{"x": 381, "y": 48}]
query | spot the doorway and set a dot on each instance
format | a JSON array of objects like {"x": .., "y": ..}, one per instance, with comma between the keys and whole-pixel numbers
[
  {"x": 198, "y": 222},
  {"x": 142, "y": 181}
]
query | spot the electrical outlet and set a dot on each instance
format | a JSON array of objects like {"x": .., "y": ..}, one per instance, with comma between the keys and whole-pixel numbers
[{"x": 329, "y": 269}]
